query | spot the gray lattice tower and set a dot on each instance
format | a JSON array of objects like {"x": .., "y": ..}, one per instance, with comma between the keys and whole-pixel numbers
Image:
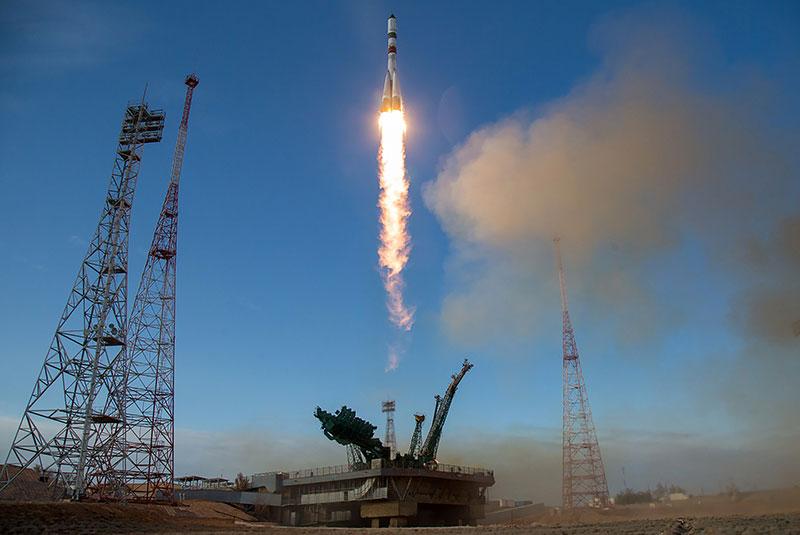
[
  {"x": 149, "y": 444},
  {"x": 583, "y": 474},
  {"x": 390, "y": 440},
  {"x": 73, "y": 418}
]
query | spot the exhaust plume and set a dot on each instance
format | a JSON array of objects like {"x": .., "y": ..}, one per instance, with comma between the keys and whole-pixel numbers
[{"x": 395, "y": 210}]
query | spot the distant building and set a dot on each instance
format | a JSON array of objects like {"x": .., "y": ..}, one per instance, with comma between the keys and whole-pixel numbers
[{"x": 677, "y": 497}]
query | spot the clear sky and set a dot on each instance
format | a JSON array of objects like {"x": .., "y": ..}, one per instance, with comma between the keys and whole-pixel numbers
[{"x": 280, "y": 302}]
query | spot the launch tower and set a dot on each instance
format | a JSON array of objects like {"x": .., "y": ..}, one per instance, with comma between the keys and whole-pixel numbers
[{"x": 73, "y": 421}]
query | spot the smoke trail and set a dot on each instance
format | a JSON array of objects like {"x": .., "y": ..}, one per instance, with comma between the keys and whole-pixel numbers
[
  {"x": 393, "y": 202},
  {"x": 393, "y": 360}
]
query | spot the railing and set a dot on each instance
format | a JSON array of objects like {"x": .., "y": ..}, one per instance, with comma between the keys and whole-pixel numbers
[
  {"x": 204, "y": 485},
  {"x": 455, "y": 469},
  {"x": 319, "y": 471},
  {"x": 345, "y": 469}
]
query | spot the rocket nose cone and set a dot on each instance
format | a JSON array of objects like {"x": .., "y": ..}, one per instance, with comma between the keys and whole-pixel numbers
[{"x": 392, "y": 16}]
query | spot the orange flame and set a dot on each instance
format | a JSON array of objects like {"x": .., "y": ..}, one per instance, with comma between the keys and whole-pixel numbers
[{"x": 393, "y": 202}]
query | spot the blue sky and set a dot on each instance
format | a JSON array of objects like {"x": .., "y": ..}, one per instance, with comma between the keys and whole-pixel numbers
[{"x": 280, "y": 303}]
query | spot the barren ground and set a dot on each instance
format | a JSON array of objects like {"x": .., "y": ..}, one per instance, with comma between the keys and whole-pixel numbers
[{"x": 769, "y": 512}]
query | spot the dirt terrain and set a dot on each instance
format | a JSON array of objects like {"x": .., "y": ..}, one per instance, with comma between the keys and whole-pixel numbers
[
  {"x": 107, "y": 519},
  {"x": 95, "y": 518},
  {"x": 768, "y": 512},
  {"x": 104, "y": 518}
]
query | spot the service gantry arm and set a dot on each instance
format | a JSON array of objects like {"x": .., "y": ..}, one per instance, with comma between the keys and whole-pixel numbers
[
  {"x": 431, "y": 445},
  {"x": 413, "y": 449}
]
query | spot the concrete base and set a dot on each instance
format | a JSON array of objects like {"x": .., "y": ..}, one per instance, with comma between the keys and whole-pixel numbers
[
  {"x": 398, "y": 522},
  {"x": 394, "y": 522},
  {"x": 394, "y": 514},
  {"x": 388, "y": 509}
]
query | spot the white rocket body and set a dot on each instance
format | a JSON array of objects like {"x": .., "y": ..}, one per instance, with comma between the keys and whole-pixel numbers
[{"x": 392, "y": 99}]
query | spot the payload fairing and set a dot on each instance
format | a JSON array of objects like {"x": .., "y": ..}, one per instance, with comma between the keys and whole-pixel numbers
[{"x": 392, "y": 100}]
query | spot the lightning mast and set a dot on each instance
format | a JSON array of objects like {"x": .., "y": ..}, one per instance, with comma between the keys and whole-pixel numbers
[
  {"x": 390, "y": 439},
  {"x": 72, "y": 422},
  {"x": 583, "y": 474},
  {"x": 149, "y": 445}
]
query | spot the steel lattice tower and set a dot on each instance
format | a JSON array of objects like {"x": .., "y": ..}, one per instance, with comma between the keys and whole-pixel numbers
[
  {"x": 149, "y": 445},
  {"x": 72, "y": 422},
  {"x": 583, "y": 474},
  {"x": 390, "y": 439}
]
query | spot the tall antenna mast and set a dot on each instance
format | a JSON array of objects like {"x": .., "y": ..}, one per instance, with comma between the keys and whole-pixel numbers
[
  {"x": 583, "y": 475},
  {"x": 149, "y": 384}
]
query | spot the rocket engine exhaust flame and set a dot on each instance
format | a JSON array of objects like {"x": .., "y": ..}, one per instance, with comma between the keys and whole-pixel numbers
[{"x": 395, "y": 210}]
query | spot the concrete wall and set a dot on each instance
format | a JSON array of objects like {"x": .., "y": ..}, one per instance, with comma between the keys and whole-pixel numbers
[{"x": 231, "y": 496}]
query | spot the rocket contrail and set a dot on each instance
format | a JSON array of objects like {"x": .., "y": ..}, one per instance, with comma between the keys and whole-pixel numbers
[{"x": 395, "y": 240}]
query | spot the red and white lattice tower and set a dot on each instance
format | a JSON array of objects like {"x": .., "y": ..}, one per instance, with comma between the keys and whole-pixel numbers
[
  {"x": 149, "y": 443},
  {"x": 72, "y": 425},
  {"x": 583, "y": 475}
]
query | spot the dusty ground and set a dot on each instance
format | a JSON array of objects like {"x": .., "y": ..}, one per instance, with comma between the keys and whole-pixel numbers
[
  {"x": 766, "y": 524},
  {"x": 96, "y": 518},
  {"x": 768, "y": 512},
  {"x": 100, "y": 518}
]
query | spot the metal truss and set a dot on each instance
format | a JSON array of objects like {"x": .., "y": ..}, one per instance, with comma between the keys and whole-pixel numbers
[
  {"x": 148, "y": 447},
  {"x": 73, "y": 418},
  {"x": 583, "y": 475},
  {"x": 390, "y": 439}
]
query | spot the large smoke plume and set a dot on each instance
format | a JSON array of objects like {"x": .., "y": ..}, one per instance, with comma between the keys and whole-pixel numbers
[
  {"x": 675, "y": 185},
  {"x": 636, "y": 161}
]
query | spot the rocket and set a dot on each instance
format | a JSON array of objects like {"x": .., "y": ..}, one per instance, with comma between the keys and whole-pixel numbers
[{"x": 391, "y": 86}]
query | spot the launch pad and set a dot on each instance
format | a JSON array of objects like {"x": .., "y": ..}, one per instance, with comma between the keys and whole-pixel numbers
[
  {"x": 383, "y": 495},
  {"x": 378, "y": 487}
]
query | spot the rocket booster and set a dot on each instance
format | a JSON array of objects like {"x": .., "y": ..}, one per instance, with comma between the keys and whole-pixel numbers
[{"x": 392, "y": 100}]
